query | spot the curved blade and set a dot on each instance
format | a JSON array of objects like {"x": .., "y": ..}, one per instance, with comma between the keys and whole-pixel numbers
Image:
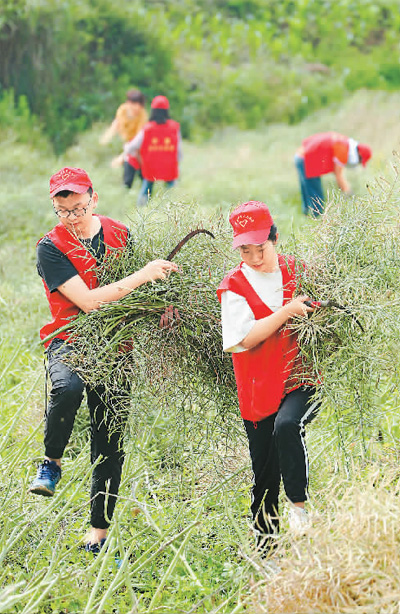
[{"x": 181, "y": 243}]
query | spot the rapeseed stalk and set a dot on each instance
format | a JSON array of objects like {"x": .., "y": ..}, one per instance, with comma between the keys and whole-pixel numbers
[
  {"x": 353, "y": 257},
  {"x": 123, "y": 341}
]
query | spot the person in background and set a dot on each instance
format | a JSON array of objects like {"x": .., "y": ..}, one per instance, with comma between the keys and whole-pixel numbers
[
  {"x": 322, "y": 153},
  {"x": 67, "y": 258},
  {"x": 158, "y": 146},
  {"x": 274, "y": 390},
  {"x": 130, "y": 118}
]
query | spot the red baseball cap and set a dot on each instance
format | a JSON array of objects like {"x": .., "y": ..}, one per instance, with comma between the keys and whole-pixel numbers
[
  {"x": 251, "y": 223},
  {"x": 365, "y": 153},
  {"x": 160, "y": 102},
  {"x": 69, "y": 178}
]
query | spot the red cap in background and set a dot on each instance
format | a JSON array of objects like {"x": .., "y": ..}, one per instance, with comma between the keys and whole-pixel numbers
[
  {"x": 365, "y": 153},
  {"x": 69, "y": 178},
  {"x": 251, "y": 223},
  {"x": 160, "y": 102}
]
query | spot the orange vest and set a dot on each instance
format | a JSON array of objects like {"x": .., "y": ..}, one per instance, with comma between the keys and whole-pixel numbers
[
  {"x": 320, "y": 150},
  {"x": 62, "y": 309},
  {"x": 264, "y": 374},
  {"x": 159, "y": 151}
]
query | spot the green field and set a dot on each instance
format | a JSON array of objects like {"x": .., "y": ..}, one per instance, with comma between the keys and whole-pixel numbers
[{"x": 182, "y": 522}]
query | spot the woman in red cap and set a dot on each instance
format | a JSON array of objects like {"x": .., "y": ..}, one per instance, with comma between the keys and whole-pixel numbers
[
  {"x": 323, "y": 153},
  {"x": 158, "y": 146},
  {"x": 275, "y": 396}
]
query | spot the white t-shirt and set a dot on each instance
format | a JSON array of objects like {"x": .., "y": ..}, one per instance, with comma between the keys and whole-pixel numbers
[
  {"x": 237, "y": 317},
  {"x": 352, "y": 159}
]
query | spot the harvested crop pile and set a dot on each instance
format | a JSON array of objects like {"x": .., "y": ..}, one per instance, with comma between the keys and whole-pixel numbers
[
  {"x": 349, "y": 560},
  {"x": 353, "y": 261},
  {"x": 124, "y": 341}
]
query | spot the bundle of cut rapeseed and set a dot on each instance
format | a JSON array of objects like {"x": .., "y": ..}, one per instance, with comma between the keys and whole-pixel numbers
[
  {"x": 353, "y": 264},
  {"x": 123, "y": 341}
]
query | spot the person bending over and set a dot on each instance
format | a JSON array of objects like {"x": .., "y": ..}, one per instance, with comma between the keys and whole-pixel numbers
[{"x": 323, "y": 153}]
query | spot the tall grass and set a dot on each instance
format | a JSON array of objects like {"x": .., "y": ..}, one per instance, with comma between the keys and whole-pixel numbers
[
  {"x": 168, "y": 526},
  {"x": 352, "y": 258}
]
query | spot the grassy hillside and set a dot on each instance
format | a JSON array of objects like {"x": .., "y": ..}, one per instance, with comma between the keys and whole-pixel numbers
[{"x": 182, "y": 520}]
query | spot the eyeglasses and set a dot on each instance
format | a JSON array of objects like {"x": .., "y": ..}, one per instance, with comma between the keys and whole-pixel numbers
[{"x": 76, "y": 212}]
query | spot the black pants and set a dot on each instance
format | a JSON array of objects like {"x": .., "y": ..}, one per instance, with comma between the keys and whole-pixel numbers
[
  {"x": 107, "y": 421},
  {"x": 277, "y": 450},
  {"x": 129, "y": 174}
]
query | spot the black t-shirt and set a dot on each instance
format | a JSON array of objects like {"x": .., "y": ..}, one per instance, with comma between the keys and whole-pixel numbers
[{"x": 55, "y": 268}]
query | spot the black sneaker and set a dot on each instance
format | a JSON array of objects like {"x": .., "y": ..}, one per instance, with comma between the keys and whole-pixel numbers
[{"x": 96, "y": 547}]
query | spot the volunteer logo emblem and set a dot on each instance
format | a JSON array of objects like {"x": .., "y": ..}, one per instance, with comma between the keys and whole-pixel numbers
[
  {"x": 244, "y": 219},
  {"x": 65, "y": 173}
]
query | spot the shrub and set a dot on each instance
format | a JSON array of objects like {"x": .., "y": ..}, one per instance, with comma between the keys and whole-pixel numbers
[{"x": 74, "y": 64}]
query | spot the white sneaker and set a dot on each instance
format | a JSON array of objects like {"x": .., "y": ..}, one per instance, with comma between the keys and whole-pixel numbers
[{"x": 299, "y": 520}]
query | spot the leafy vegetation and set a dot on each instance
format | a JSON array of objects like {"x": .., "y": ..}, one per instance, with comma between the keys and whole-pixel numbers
[
  {"x": 74, "y": 61},
  {"x": 241, "y": 62}
]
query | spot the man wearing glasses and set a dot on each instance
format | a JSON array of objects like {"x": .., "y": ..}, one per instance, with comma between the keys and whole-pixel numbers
[{"x": 67, "y": 258}]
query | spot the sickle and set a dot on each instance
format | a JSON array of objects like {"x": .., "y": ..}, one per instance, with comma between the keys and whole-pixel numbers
[
  {"x": 181, "y": 243},
  {"x": 347, "y": 311},
  {"x": 330, "y": 303}
]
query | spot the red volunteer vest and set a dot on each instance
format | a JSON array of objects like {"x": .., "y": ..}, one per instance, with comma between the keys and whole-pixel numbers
[
  {"x": 263, "y": 374},
  {"x": 319, "y": 154},
  {"x": 61, "y": 308},
  {"x": 133, "y": 161},
  {"x": 159, "y": 151}
]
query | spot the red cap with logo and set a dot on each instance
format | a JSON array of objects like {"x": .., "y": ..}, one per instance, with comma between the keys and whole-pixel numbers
[
  {"x": 160, "y": 102},
  {"x": 251, "y": 223},
  {"x": 365, "y": 153},
  {"x": 68, "y": 178}
]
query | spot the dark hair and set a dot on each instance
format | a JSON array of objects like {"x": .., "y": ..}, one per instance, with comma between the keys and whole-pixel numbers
[
  {"x": 159, "y": 116},
  {"x": 136, "y": 96},
  {"x": 273, "y": 234},
  {"x": 66, "y": 193}
]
